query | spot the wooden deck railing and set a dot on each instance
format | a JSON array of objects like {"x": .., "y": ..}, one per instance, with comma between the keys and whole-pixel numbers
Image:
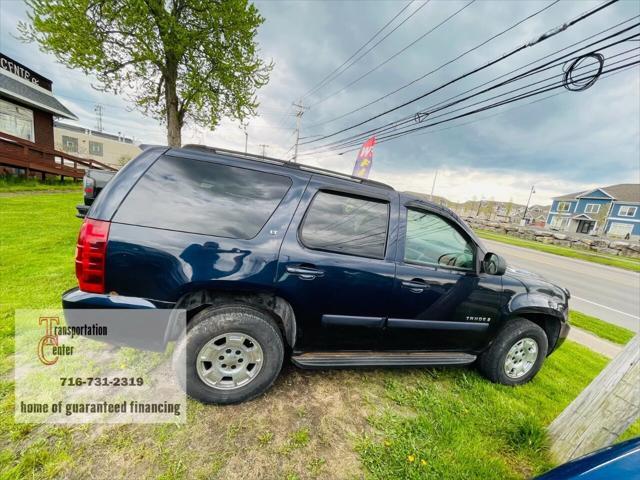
[{"x": 20, "y": 153}]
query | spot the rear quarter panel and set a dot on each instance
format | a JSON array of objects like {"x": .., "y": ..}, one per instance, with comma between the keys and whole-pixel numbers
[{"x": 164, "y": 265}]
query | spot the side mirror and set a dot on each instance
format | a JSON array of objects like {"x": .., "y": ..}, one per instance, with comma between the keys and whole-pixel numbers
[{"x": 494, "y": 264}]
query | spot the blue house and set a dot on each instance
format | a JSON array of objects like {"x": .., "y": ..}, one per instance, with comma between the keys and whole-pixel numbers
[{"x": 613, "y": 211}]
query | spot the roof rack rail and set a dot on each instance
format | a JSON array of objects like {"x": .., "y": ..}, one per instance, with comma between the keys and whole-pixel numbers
[{"x": 285, "y": 163}]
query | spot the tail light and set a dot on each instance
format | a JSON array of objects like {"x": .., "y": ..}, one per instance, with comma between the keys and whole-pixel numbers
[
  {"x": 91, "y": 252},
  {"x": 88, "y": 184}
]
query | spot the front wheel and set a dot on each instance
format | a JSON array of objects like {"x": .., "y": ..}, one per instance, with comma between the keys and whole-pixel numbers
[
  {"x": 517, "y": 353},
  {"x": 231, "y": 354}
]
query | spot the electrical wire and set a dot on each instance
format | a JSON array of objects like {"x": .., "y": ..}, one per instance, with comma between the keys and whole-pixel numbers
[
  {"x": 551, "y": 64},
  {"x": 422, "y": 77},
  {"x": 611, "y": 71},
  {"x": 336, "y": 73},
  {"x": 519, "y": 68},
  {"x": 483, "y": 118},
  {"x": 535, "y": 70},
  {"x": 539, "y": 39},
  {"x": 369, "y": 72},
  {"x": 574, "y": 85}
]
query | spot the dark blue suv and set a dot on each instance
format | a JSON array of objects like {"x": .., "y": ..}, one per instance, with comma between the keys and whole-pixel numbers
[{"x": 269, "y": 257}]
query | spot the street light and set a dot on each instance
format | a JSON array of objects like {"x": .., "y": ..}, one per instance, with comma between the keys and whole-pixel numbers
[{"x": 533, "y": 190}]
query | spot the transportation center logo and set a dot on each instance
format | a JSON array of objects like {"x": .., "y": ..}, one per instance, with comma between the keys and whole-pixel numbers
[{"x": 49, "y": 348}]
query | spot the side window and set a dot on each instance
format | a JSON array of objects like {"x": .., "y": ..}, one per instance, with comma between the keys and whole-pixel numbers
[
  {"x": 203, "y": 197},
  {"x": 345, "y": 224},
  {"x": 431, "y": 240}
]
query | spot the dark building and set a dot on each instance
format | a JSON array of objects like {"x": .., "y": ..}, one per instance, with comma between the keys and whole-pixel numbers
[
  {"x": 27, "y": 111},
  {"x": 27, "y": 104}
]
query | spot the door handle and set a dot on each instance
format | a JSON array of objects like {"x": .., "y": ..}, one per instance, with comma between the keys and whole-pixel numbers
[
  {"x": 305, "y": 273},
  {"x": 416, "y": 285}
]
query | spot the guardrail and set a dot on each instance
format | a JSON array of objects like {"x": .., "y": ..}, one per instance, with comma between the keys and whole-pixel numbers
[{"x": 20, "y": 153}]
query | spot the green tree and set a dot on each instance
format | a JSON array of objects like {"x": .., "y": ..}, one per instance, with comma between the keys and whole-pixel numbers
[{"x": 177, "y": 60}]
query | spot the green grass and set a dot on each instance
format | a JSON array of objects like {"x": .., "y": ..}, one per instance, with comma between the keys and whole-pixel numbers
[
  {"x": 423, "y": 423},
  {"x": 9, "y": 184},
  {"x": 455, "y": 424},
  {"x": 602, "y": 329},
  {"x": 627, "y": 263}
]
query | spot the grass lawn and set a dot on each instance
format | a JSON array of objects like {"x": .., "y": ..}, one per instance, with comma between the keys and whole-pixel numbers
[
  {"x": 602, "y": 329},
  {"x": 612, "y": 260},
  {"x": 19, "y": 184},
  {"x": 387, "y": 424}
]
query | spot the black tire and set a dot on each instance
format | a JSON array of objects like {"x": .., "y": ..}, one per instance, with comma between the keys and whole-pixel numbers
[
  {"x": 213, "y": 322},
  {"x": 492, "y": 361}
]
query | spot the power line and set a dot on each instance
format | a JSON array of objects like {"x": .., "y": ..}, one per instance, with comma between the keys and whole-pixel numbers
[
  {"x": 347, "y": 144},
  {"x": 481, "y": 119},
  {"x": 524, "y": 66},
  {"x": 428, "y": 113},
  {"x": 395, "y": 54},
  {"x": 422, "y": 77},
  {"x": 390, "y": 137},
  {"x": 536, "y": 41},
  {"x": 339, "y": 71},
  {"x": 541, "y": 89}
]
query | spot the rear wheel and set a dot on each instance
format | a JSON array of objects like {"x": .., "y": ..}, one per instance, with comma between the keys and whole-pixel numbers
[
  {"x": 517, "y": 353},
  {"x": 231, "y": 354}
]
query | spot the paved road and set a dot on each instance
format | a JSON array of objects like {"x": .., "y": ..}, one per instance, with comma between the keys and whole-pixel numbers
[{"x": 609, "y": 293}]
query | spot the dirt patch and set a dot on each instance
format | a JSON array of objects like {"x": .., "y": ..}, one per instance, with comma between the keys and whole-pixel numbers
[{"x": 304, "y": 427}]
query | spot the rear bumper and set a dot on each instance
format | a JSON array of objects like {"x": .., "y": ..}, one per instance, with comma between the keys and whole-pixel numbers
[
  {"x": 154, "y": 324},
  {"x": 75, "y": 298}
]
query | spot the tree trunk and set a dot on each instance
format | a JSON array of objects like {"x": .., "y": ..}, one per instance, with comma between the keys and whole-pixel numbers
[
  {"x": 603, "y": 411},
  {"x": 174, "y": 122}
]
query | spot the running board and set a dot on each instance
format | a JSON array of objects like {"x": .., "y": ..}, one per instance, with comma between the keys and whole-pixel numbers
[{"x": 379, "y": 359}]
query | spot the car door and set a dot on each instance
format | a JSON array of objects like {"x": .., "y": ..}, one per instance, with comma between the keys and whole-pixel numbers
[
  {"x": 440, "y": 300},
  {"x": 337, "y": 264}
]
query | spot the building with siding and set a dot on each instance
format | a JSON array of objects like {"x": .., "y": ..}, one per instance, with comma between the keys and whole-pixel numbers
[
  {"x": 613, "y": 211},
  {"x": 114, "y": 150}
]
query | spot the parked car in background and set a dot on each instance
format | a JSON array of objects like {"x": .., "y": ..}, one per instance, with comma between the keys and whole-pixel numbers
[
  {"x": 271, "y": 258},
  {"x": 620, "y": 461},
  {"x": 92, "y": 184}
]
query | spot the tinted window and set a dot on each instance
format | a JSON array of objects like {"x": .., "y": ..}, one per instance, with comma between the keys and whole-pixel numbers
[
  {"x": 431, "y": 240},
  {"x": 345, "y": 224},
  {"x": 203, "y": 197}
]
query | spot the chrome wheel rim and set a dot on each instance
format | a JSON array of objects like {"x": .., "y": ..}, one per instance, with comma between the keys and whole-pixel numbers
[
  {"x": 229, "y": 361},
  {"x": 521, "y": 358}
]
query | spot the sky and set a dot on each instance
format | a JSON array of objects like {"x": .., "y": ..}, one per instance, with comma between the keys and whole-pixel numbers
[{"x": 570, "y": 142}]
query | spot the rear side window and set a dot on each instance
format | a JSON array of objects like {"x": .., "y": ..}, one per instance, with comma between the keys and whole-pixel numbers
[
  {"x": 345, "y": 224},
  {"x": 203, "y": 197}
]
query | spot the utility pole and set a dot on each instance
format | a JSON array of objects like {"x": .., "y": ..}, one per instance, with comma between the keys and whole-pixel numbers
[
  {"x": 264, "y": 149},
  {"x": 301, "y": 108},
  {"x": 433, "y": 187},
  {"x": 98, "y": 110},
  {"x": 533, "y": 190},
  {"x": 246, "y": 140}
]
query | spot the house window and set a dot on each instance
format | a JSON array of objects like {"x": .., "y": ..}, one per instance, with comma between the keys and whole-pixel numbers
[
  {"x": 564, "y": 206},
  {"x": 560, "y": 222},
  {"x": 592, "y": 208},
  {"x": 627, "y": 211},
  {"x": 16, "y": 121},
  {"x": 70, "y": 144},
  {"x": 95, "y": 148}
]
